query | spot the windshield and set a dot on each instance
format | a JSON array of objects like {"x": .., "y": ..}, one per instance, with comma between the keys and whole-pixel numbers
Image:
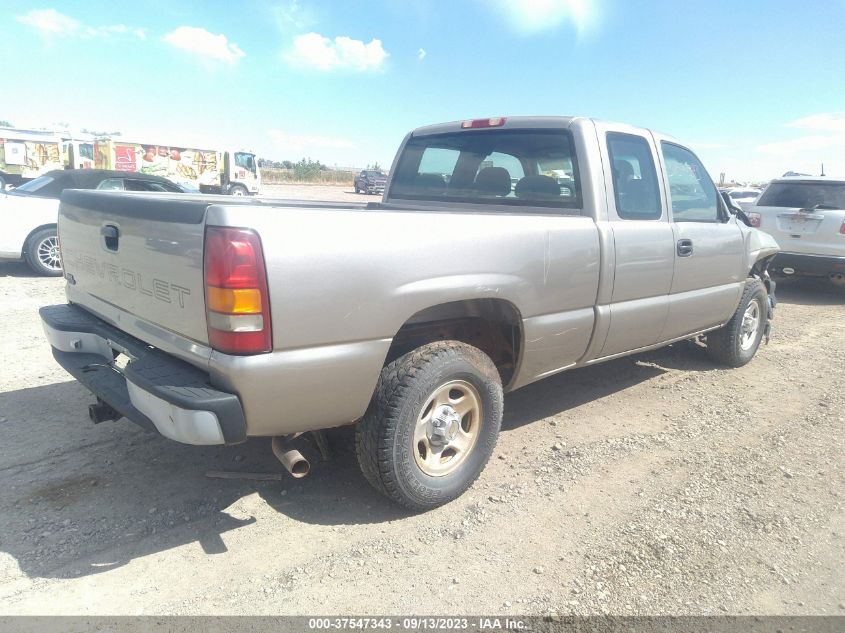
[
  {"x": 494, "y": 167},
  {"x": 33, "y": 186},
  {"x": 245, "y": 161},
  {"x": 802, "y": 195}
]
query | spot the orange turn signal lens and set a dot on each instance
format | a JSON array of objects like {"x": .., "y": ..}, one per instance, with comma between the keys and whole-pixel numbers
[{"x": 234, "y": 300}]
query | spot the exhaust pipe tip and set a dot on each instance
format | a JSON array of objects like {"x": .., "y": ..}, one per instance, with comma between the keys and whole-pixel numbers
[
  {"x": 293, "y": 461},
  {"x": 102, "y": 412}
]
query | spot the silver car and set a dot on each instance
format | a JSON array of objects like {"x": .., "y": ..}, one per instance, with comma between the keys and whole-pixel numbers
[{"x": 806, "y": 216}]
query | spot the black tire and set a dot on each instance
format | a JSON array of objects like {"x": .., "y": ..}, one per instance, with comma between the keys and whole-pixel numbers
[
  {"x": 725, "y": 345},
  {"x": 238, "y": 190},
  {"x": 384, "y": 439},
  {"x": 40, "y": 252}
]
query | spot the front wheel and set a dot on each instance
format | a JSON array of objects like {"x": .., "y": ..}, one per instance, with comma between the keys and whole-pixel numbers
[
  {"x": 42, "y": 253},
  {"x": 736, "y": 342},
  {"x": 238, "y": 190},
  {"x": 432, "y": 424}
]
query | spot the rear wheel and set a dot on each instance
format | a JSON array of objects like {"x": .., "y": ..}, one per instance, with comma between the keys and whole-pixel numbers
[
  {"x": 736, "y": 343},
  {"x": 42, "y": 253},
  {"x": 432, "y": 424}
]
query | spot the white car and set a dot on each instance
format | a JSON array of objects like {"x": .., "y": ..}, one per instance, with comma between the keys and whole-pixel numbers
[
  {"x": 744, "y": 197},
  {"x": 806, "y": 216},
  {"x": 28, "y": 213}
]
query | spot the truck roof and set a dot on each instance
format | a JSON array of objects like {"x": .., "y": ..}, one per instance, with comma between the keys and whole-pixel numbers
[
  {"x": 38, "y": 136},
  {"x": 512, "y": 122},
  {"x": 524, "y": 122},
  {"x": 811, "y": 179}
]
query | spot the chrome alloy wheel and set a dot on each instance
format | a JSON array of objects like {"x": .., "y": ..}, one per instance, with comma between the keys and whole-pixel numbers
[
  {"x": 750, "y": 325},
  {"x": 47, "y": 251},
  {"x": 447, "y": 428}
]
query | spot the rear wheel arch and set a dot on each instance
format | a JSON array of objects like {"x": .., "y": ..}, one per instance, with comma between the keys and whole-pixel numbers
[
  {"x": 41, "y": 251},
  {"x": 493, "y": 326},
  {"x": 28, "y": 240}
]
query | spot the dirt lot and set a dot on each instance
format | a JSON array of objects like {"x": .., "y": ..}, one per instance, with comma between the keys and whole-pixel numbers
[
  {"x": 317, "y": 192},
  {"x": 652, "y": 484}
]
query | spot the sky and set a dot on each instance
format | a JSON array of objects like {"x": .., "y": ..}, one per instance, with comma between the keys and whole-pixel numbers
[{"x": 756, "y": 88}]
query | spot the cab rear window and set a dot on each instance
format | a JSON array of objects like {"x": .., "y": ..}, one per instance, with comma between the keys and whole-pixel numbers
[
  {"x": 505, "y": 168},
  {"x": 803, "y": 195}
]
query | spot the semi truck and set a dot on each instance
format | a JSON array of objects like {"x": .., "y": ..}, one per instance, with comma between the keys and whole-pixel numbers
[
  {"x": 208, "y": 170},
  {"x": 27, "y": 154}
]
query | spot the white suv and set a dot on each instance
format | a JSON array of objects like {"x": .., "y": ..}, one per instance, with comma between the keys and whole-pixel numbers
[{"x": 806, "y": 216}]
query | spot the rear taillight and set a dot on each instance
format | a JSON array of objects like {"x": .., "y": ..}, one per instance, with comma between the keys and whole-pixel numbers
[
  {"x": 236, "y": 298},
  {"x": 478, "y": 123},
  {"x": 842, "y": 228},
  {"x": 755, "y": 219}
]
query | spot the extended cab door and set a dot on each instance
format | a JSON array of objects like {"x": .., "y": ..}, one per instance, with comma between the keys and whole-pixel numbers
[
  {"x": 643, "y": 239},
  {"x": 708, "y": 277}
]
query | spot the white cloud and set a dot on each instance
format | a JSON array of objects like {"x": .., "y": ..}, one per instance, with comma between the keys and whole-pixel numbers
[
  {"x": 822, "y": 122},
  {"x": 290, "y": 15},
  {"x": 825, "y": 145},
  {"x": 50, "y": 23},
  {"x": 287, "y": 142},
  {"x": 204, "y": 44},
  {"x": 316, "y": 51},
  {"x": 814, "y": 139},
  {"x": 531, "y": 16},
  {"x": 421, "y": 54}
]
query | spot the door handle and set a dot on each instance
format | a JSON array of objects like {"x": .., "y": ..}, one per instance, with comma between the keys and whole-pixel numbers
[
  {"x": 110, "y": 234},
  {"x": 684, "y": 248}
]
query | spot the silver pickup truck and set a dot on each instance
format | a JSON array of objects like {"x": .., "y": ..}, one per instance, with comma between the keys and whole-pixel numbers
[{"x": 502, "y": 252}]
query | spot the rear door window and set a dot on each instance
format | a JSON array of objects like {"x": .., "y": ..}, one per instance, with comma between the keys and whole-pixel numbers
[
  {"x": 505, "y": 168},
  {"x": 802, "y": 195},
  {"x": 635, "y": 185}
]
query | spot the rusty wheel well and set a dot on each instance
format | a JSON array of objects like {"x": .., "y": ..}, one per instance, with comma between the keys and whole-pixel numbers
[{"x": 492, "y": 325}]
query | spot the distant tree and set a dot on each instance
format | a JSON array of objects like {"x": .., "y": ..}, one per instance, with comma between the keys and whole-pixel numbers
[
  {"x": 5, "y": 123},
  {"x": 375, "y": 166},
  {"x": 307, "y": 169}
]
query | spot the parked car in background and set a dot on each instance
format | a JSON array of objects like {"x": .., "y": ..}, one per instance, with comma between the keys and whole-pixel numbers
[
  {"x": 370, "y": 181},
  {"x": 743, "y": 197},
  {"x": 28, "y": 213},
  {"x": 806, "y": 215}
]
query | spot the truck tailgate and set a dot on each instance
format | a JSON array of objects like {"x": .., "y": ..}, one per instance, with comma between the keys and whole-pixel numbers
[{"x": 136, "y": 257}]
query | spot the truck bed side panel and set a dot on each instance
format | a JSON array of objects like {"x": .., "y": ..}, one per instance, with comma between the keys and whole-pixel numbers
[{"x": 342, "y": 284}]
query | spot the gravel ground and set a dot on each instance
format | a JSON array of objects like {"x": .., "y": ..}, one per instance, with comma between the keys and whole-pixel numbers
[{"x": 656, "y": 484}]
